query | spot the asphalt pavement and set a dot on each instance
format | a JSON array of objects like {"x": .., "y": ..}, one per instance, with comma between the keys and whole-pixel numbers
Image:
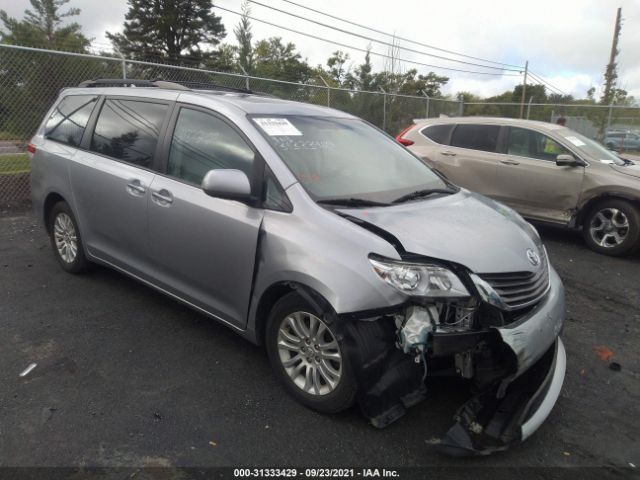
[{"x": 125, "y": 376}]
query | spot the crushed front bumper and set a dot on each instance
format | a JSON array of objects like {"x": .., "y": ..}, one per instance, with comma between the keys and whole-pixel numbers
[
  {"x": 508, "y": 412},
  {"x": 513, "y": 397}
]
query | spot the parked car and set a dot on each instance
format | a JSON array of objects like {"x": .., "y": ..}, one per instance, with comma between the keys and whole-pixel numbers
[
  {"x": 621, "y": 141},
  {"x": 546, "y": 172},
  {"x": 307, "y": 230}
]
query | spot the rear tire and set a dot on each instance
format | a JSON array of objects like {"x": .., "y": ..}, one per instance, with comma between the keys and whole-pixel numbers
[
  {"x": 66, "y": 239},
  {"x": 299, "y": 340},
  {"x": 612, "y": 227}
]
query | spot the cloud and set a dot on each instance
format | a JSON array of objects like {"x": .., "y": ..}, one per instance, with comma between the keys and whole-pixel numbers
[{"x": 567, "y": 42}]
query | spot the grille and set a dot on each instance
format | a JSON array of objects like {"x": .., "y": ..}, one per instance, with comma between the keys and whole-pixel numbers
[{"x": 520, "y": 289}]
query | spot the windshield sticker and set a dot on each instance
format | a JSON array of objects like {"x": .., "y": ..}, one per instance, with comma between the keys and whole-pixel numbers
[
  {"x": 576, "y": 141},
  {"x": 277, "y": 126}
]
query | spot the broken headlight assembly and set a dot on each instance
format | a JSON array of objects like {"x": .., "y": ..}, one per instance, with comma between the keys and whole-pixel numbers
[{"x": 419, "y": 279}]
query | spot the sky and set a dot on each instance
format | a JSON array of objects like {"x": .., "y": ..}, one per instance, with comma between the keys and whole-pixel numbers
[{"x": 567, "y": 42}]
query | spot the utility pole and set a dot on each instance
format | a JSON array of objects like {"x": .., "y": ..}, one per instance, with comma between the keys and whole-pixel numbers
[
  {"x": 611, "y": 74},
  {"x": 524, "y": 88}
]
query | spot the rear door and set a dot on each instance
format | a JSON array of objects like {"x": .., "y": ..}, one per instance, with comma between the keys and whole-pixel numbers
[
  {"x": 204, "y": 248},
  {"x": 470, "y": 160},
  {"x": 111, "y": 180},
  {"x": 532, "y": 183}
]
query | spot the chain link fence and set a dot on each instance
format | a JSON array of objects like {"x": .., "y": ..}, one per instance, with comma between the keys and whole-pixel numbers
[{"x": 30, "y": 80}]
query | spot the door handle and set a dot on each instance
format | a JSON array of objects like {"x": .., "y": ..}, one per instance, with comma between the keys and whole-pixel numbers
[
  {"x": 509, "y": 162},
  {"x": 162, "y": 197},
  {"x": 448, "y": 153},
  {"x": 135, "y": 187}
]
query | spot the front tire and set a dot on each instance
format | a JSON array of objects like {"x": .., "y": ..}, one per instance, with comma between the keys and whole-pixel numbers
[
  {"x": 612, "y": 227},
  {"x": 66, "y": 240},
  {"x": 307, "y": 356}
]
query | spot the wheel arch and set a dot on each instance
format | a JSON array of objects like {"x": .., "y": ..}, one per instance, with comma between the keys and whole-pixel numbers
[
  {"x": 589, "y": 204},
  {"x": 52, "y": 199},
  {"x": 274, "y": 293}
]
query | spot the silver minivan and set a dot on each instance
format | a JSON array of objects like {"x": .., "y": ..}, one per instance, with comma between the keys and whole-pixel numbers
[{"x": 362, "y": 271}]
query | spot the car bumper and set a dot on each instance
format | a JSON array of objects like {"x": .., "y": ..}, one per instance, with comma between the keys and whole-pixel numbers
[{"x": 513, "y": 409}]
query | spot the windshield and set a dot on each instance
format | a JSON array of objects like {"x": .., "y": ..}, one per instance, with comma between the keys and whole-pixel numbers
[
  {"x": 591, "y": 148},
  {"x": 337, "y": 158}
]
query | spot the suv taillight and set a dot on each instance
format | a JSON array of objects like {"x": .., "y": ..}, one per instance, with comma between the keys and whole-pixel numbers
[
  {"x": 404, "y": 141},
  {"x": 31, "y": 148}
]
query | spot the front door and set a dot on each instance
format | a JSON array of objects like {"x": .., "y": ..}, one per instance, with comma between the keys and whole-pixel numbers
[
  {"x": 204, "y": 248},
  {"x": 530, "y": 181}
]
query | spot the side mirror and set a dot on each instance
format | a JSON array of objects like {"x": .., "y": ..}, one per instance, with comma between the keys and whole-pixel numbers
[
  {"x": 227, "y": 184},
  {"x": 565, "y": 160}
]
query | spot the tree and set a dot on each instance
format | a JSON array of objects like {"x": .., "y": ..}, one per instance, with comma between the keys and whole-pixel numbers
[
  {"x": 245, "y": 37},
  {"x": 280, "y": 61},
  {"x": 169, "y": 30},
  {"x": 42, "y": 27},
  {"x": 338, "y": 72}
]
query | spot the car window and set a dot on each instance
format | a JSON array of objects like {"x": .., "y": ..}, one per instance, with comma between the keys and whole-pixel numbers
[
  {"x": 337, "y": 158},
  {"x": 203, "y": 142},
  {"x": 274, "y": 196},
  {"x": 69, "y": 119},
  {"x": 128, "y": 130},
  {"x": 438, "y": 133},
  {"x": 476, "y": 137},
  {"x": 528, "y": 143}
]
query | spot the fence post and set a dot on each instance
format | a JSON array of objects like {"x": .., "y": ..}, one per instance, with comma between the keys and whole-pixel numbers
[
  {"x": 246, "y": 78},
  {"x": 426, "y": 111},
  {"x": 461, "y": 106},
  {"x": 384, "y": 109},
  {"x": 328, "y": 90},
  {"x": 124, "y": 63},
  {"x": 529, "y": 106}
]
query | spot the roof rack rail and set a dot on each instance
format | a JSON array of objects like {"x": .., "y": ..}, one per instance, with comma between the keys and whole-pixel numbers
[
  {"x": 213, "y": 86},
  {"x": 158, "y": 83},
  {"x": 131, "y": 82}
]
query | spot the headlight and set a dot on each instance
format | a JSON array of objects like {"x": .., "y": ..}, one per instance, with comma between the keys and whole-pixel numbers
[{"x": 419, "y": 280}]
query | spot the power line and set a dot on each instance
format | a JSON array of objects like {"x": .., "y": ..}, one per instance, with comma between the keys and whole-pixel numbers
[
  {"x": 371, "y": 39},
  {"x": 366, "y": 51},
  {"x": 401, "y": 38},
  {"x": 548, "y": 84}
]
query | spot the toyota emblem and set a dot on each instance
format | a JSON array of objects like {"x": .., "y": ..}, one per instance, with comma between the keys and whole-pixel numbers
[{"x": 533, "y": 257}]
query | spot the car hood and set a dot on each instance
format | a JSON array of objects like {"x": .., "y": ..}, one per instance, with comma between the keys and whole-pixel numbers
[
  {"x": 464, "y": 228},
  {"x": 632, "y": 170}
]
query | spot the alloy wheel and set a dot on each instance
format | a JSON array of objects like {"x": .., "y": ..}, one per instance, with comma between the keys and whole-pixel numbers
[
  {"x": 609, "y": 227},
  {"x": 66, "y": 239},
  {"x": 309, "y": 353}
]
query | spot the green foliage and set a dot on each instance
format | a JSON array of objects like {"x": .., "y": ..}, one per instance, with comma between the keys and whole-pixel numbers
[
  {"x": 42, "y": 27},
  {"x": 169, "y": 30},
  {"x": 280, "y": 61},
  {"x": 245, "y": 38}
]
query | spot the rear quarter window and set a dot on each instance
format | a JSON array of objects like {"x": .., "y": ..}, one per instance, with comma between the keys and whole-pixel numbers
[
  {"x": 476, "y": 137},
  {"x": 438, "y": 133},
  {"x": 69, "y": 118}
]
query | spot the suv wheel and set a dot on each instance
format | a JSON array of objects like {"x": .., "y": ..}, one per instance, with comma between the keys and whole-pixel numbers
[
  {"x": 612, "y": 227},
  {"x": 307, "y": 356},
  {"x": 66, "y": 240}
]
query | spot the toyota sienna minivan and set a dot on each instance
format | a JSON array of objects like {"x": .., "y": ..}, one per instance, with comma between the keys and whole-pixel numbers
[{"x": 305, "y": 229}]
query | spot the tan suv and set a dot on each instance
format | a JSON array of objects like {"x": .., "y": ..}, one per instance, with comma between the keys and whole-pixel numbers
[{"x": 546, "y": 172}]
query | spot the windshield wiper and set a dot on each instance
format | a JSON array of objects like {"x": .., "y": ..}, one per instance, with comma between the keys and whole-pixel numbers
[
  {"x": 353, "y": 202},
  {"x": 422, "y": 194}
]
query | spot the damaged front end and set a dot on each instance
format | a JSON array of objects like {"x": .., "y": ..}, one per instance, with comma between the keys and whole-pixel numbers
[{"x": 499, "y": 331}]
